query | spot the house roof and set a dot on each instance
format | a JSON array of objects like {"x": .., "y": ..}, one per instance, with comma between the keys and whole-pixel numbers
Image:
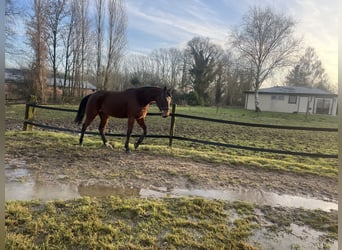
[
  {"x": 14, "y": 75},
  {"x": 60, "y": 83},
  {"x": 17, "y": 76},
  {"x": 293, "y": 91}
]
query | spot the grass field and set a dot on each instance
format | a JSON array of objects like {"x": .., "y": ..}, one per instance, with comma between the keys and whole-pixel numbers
[
  {"x": 280, "y": 139},
  {"x": 184, "y": 223},
  {"x": 114, "y": 223}
]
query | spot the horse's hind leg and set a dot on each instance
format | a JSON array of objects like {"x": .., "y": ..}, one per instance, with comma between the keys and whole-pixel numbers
[
  {"x": 142, "y": 124},
  {"x": 90, "y": 117},
  {"x": 129, "y": 132},
  {"x": 102, "y": 126}
]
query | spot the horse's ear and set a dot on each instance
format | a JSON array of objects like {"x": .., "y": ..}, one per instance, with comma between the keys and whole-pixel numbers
[{"x": 169, "y": 91}]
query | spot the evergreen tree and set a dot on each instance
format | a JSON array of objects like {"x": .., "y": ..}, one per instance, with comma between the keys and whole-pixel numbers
[{"x": 308, "y": 72}]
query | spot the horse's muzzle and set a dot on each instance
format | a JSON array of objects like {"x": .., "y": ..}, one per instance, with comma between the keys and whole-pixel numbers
[{"x": 165, "y": 113}]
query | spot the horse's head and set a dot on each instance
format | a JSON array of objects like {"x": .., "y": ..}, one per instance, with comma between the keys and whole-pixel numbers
[{"x": 164, "y": 101}]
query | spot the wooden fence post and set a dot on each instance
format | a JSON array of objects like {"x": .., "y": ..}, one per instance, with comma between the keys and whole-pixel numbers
[
  {"x": 29, "y": 113},
  {"x": 173, "y": 122}
]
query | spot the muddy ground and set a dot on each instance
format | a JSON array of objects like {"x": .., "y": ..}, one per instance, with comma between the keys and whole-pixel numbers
[
  {"x": 89, "y": 167},
  {"x": 141, "y": 169}
]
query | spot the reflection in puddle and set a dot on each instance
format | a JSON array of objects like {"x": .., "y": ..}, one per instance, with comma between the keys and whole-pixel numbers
[
  {"x": 33, "y": 190},
  {"x": 15, "y": 163},
  {"x": 248, "y": 195},
  {"x": 101, "y": 191},
  {"x": 15, "y": 170},
  {"x": 299, "y": 237},
  {"x": 21, "y": 185}
]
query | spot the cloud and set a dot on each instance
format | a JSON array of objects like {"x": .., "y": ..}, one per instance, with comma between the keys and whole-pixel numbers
[
  {"x": 317, "y": 22},
  {"x": 177, "y": 21},
  {"x": 165, "y": 23}
]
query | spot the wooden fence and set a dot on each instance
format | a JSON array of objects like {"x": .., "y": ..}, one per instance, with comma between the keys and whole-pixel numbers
[{"x": 31, "y": 107}]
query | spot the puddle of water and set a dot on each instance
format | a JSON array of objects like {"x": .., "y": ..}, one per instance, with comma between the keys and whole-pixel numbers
[
  {"x": 15, "y": 170},
  {"x": 299, "y": 237},
  {"x": 21, "y": 185},
  {"x": 34, "y": 191},
  {"x": 248, "y": 195},
  {"x": 17, "y": 174},
  {"x": 15, "y": 163},
  {"x": 101, "y": 191}
]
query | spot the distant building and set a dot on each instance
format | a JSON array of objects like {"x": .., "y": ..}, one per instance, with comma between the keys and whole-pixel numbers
[
  {"x": 293, "y": 100},
  {"x": 85, "y": 88},
  {"x": 16, "y": 85}
]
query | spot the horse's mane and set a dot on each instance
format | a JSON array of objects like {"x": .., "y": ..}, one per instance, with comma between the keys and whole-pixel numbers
[{"x": 145, "y": 94}]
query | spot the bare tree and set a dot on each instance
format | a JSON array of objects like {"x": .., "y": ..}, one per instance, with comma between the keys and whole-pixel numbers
[
  {"x": 99, "y": 39},
  {"x": 81, "y": 47},
  {"x": 265, "y": 39},
  {"x": 55, "y": 13},
  {"x": 117, "y": 22},
  {"x": 67, "y": 37},
  {"x": 176, "y": 62},
  {"x": 12, "y": 12},
  {"x": 162, "y": 67},
  {"x": 110, "y": 39},
  {"x": 160, "y": 60},
  {"x": 36, "y": 32}
]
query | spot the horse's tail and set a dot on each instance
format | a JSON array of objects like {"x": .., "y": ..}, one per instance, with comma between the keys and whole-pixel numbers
[{"x": 82, "y": 109}]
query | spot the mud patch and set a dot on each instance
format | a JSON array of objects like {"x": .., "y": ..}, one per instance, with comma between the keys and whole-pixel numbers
[
  {"x": 32, "y": 190},
  {"x": 253, "y": 196},
  {"x": 296, "y": 237}
]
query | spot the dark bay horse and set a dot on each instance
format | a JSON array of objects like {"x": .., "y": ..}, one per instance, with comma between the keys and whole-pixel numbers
[{"x": 131, "y": 103}]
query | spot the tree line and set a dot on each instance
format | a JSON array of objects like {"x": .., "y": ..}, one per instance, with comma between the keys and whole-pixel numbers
[{"x": 68, "y": 40}]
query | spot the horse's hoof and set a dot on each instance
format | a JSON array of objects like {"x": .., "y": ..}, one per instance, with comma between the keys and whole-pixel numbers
[
  {"x": 108, "y": 145},
  {"x": 136, "y": 145},
  {"x": 128, "y": 151}
]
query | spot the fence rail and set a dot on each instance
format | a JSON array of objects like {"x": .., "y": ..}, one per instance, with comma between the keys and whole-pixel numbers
[
  {"x": 29, "y": 122},
  {"x": 257, "y": 124}
]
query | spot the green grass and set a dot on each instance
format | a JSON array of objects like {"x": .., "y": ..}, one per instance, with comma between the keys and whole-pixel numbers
[
  {"x": 234, "y": 114},
  {"x": 169, "y": 223},
  {"x": 265, "y": 117},
  {"x": 114, "y": 223},
  {"x": 64, "y": 143},
  {"x": 192, "y": 223},
  {"x": 288, "y": 140}
]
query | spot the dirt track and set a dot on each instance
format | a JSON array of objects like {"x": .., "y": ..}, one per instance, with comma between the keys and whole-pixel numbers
[{"x": 143, "y": 170}]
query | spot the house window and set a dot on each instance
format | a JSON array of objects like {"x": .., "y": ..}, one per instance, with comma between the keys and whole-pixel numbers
[
  {"x": 292, "y": 99},
  {"x": 323, "y": 106},
  {"x": 277, "y": 97}
]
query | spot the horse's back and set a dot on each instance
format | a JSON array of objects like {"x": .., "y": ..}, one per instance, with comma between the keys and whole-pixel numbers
[{"x": 114, "y": 103}]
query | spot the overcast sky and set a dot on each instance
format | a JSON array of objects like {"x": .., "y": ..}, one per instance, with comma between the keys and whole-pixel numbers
[{"x": 154, "y": 24}]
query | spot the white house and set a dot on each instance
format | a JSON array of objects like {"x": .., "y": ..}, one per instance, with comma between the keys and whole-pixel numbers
[{"x": 293, "y": 100}]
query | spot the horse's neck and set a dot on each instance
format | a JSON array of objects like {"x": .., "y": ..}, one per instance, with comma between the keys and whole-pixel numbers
[{"x": 148, "y": 95}]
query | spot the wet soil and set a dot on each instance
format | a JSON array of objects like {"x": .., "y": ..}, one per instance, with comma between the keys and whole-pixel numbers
[
  {"x": 88, "y": 170},
  {"x": 141, "y": 169}
]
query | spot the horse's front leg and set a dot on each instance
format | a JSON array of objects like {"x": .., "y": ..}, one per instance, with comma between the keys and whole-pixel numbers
[
  {"x": 129, "y": 132},
  {"x": 142, "y": 124}
]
